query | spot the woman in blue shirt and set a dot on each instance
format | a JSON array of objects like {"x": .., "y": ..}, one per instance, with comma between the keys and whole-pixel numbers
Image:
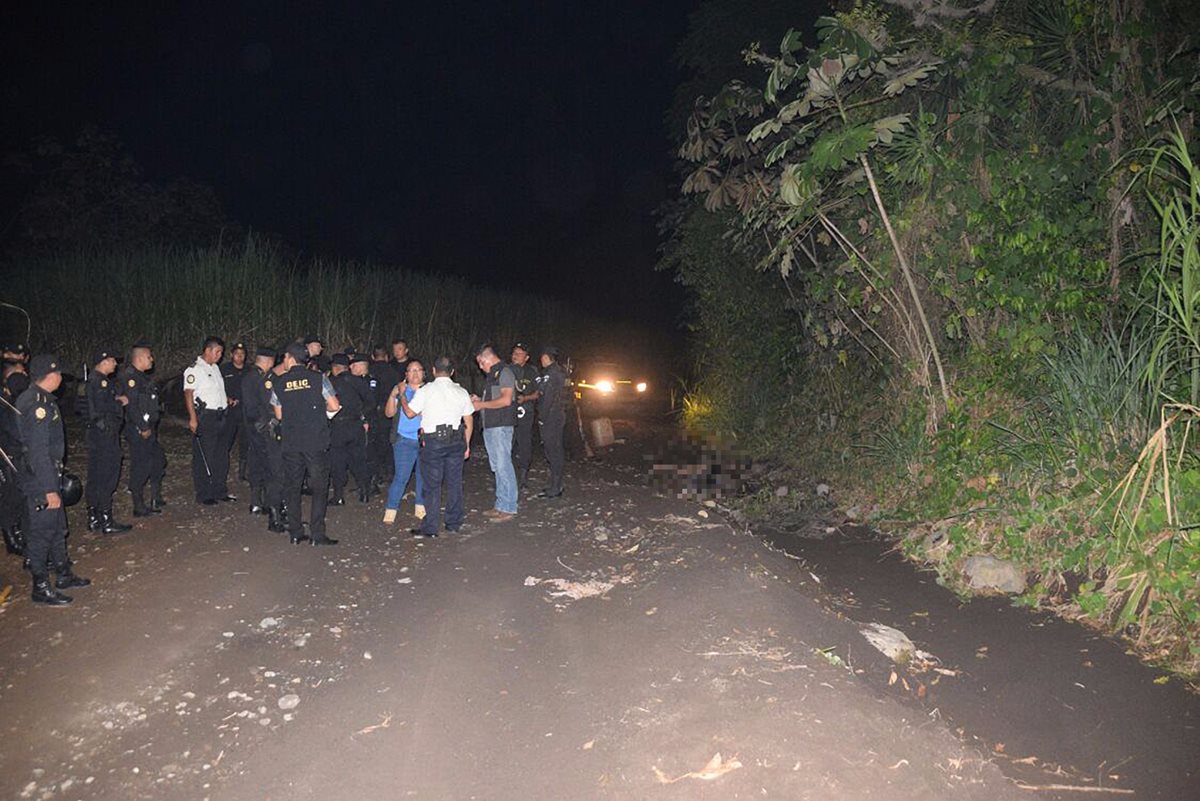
[{"x": 407, "y": 447}]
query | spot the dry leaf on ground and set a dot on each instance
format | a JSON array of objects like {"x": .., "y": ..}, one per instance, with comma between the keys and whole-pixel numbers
[{"x": 715, "y": 769}]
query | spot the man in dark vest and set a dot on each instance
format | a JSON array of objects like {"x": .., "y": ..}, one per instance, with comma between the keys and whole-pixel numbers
[
  {"x": 499, "y": 412},
  {"x": 304, "y": 400},
  {"x": 348, "y": 430},
  {"x": 104, "y": 412},
  {"x": 44, "y": 443}
]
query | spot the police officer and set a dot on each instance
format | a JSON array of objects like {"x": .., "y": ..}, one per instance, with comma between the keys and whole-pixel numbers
[
  {"x": 44, "y": 443},
  {"x": 383, "y": 377},
  {"x": 303, "y": 403},
  {"x": 552, "y": 417},
  {"x": 147, "y": 461},
  {"x": 276, "y": 522},
  {"x": 526, "y": 375},
  {"x": 206, "y": 402},
  {"x": 233, "y": 372},
  {"x": 349, "y": 429},
  {"x": 104, "y": 413},
  {"x": 315, "y": 356},
  {"x": 256, "y": 418},
  {"x": 447, "y": 418},
  {"x": 12, "y": 500}
]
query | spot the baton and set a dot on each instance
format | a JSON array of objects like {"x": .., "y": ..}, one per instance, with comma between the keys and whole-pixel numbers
[{"x": 203, "y": 458}]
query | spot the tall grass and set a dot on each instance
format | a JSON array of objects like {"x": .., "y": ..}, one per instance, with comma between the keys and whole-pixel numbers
[
  {"x": 172, "y": 298},
  {"x": 1174, "y": 182}
]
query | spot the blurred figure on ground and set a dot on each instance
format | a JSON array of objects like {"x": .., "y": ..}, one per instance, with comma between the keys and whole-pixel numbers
[
  {"x": 105, "y": 408},
  {"x": 447, "y": 419},
  {"x": 406, "y": 448},
  {"x": 499, "y": 415}
]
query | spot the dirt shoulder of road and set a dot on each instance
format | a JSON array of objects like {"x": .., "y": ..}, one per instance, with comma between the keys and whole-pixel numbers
[{"x": 614, "y": 644}]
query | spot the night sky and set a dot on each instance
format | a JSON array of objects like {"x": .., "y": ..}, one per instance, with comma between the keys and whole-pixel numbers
[{"x": 522, "y": 144}]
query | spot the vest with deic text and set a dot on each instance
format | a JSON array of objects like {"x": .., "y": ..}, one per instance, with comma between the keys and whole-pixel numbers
[{"x": 305, "y": 426}]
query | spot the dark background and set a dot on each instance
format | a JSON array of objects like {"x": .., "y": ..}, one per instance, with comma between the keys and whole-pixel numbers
[{"x": 520, "y": 144}]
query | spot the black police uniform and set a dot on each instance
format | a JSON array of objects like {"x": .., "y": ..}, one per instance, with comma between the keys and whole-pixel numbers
[
  {"x": 255, "y": 418},
  {"x": 235, "y": 428},
  {"x": 523, "y": 430},
  {"x": 12, "y": 500},
  {"x": 552, "y": 416},
  {"x": 305, "y": 430},
  {"x": 382, "y": 378},
  {"x": 275, "y": 472},
  {"x": 147, "y": 460},
  {"x": 44, "y": 444},
  {"x": 104, "y": 452},
  {"x": 348, "y": 440}
]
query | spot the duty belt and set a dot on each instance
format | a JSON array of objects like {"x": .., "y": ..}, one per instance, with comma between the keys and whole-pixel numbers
[{"x": 443, "y": 434}]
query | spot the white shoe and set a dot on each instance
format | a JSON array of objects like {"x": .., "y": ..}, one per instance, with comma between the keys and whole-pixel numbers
[
  {"x": 419, "y": 511},
  {"x": 389, "y": 516}
]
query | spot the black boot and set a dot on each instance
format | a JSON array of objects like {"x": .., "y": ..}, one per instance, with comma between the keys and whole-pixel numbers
[
  {"x": 364, "y": 494},
  {"x": 67, "y": 578},
  {"x": 14, "y": 543},
  {"x": 297, "y": 537},
  {"x": 44, "y": 593},
  {"x": 140, "y": 509},
  {"x": 338, "y": 499},
  {"x": 321, "y": 539},
  {"x": 110, "y": 525},
  {"x": 95, "y": 521},
  {"x": 156, "y": 500},
  {"x": 274, "y": 520},
  {"x": 257, "y": 505}
]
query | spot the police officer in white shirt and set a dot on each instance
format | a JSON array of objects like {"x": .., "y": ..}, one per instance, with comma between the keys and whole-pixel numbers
[
  {"x": 446, "y": 424},
  {"x": 207, "y": 405}
]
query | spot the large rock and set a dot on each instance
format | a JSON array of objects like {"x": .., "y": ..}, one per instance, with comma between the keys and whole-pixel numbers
[{"x": 990, "y": 573}]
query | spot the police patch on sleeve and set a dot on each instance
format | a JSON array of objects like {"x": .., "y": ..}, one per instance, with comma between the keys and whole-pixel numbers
[
  {"x": 191, "y": 379},
  {"x": 132, "y": 383},
  {"x": 40, "y": 413},
  {"x": 267, "y": 384},
  {"x": 103, "y": 383}
]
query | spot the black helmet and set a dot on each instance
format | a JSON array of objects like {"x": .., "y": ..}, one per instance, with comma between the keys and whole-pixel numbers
[{"x": 70, "y": 489}]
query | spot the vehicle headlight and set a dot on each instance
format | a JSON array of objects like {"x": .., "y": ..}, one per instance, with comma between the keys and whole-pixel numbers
[
  {"x": 605, "y": 386},
  {"x": 641, "y": 387}
]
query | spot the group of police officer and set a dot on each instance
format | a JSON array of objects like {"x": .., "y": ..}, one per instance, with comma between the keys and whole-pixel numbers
[{"x": 301, "y": 420}]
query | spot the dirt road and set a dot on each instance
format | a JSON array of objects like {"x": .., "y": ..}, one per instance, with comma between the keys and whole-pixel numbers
[{"x": 613, "y": 644}]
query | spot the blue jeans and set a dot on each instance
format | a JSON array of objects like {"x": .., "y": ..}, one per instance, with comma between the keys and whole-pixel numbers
[
  {"x": 405, "y": 453},
  {"x": 498, "y": 442}
]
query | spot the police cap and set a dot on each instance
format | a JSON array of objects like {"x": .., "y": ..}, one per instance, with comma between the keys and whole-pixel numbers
[
  {"x": 341, "y": 358},
  {"x": 311, "y": 338},
  {"x": 550, "y": 350},
  {"x": 265, "y": 352},
  {"x": 104, "y": 353},
  {"x": 359, "y": 357},
  {"x": 43, "y": 365},
  {"x": 297, "y": 352}
]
